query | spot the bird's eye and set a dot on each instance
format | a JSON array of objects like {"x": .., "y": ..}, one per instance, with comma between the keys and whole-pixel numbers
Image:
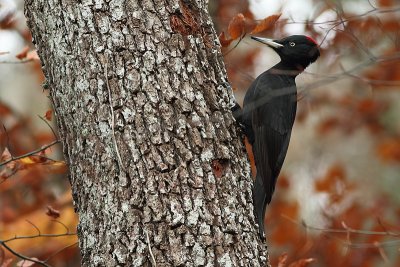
[{"x": 292, "y": 44}]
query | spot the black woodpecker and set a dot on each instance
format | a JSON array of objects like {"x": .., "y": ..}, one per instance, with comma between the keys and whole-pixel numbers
[{"x": 268, "y": 114}]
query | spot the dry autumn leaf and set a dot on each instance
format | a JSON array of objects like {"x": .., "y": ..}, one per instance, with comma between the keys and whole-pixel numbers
[
  {"x": 52, "y": 212},
  {"x": 266, "y": 24},
  {"x": 34, "y": 159},
  {"x": 6, "y": 155},
  {"x": 284, "y": 233},
  {"x": 49, "y": 115},
  {"x": 236, "y": 26},
  {"x": 5, "y": 110},
  {"x": 23, "y": 53},
  {"x": 28, "y": 160},
  {"x": 224, "y": 42},
  {"x": 328, "y": 183},
  {"x": 8, "y": 169},
  {"x": 327, "y": 125},
  {"x": 56, "y": 167}
]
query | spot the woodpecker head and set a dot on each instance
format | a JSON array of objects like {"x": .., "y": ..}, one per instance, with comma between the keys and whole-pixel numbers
[{"x": 298, "y": 51}]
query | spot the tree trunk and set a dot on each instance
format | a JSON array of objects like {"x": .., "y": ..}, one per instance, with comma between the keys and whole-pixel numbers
[{"x": 158, "y": 171}]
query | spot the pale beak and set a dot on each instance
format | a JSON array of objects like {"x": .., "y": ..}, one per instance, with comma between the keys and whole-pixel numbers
[{"x": 267, "y": 41}]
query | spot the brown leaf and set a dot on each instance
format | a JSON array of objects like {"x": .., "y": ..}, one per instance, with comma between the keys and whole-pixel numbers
[
  {"x": 4, "y": 110},
  {"x": 23, "y": 53},
  {"x": 385, "y": 74},
  {"x": 249, "y": 24},
  {"x": 49, "y": 115},
  {"x": 51, "y": 212},
  {"x": 236, "y": 26},
  {"x": 328, "y": 125},
  {"x": 6, "y": 155},
  {"x": 391, "y": 25},
  {"x": 266, "y": 24},
  {"x": 283, "y": 181},
  {"x": 285, "y": 232},
  {"x": 29, "y": 161},
  {"x": 370, "y": 106},
  {"x": 10, "y": 168},
  {"x": 328, "y": 183},
  {"x": 224, "y": 42},
  {"x": 34, "y": 159},
  {"x": 385, "y": 3},
  {"x": 56, "y": 167}
]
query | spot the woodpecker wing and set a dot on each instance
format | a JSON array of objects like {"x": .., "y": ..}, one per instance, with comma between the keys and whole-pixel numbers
[
  {"x": 269, "y": 149},
  {"x": 272, "y": 105},
  {"x": 268, "y": 115}
]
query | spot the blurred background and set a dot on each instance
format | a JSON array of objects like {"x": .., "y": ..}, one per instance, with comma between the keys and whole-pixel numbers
[
  {"x": 35, "y": 196},
  {"x": 337, "y": 200}
]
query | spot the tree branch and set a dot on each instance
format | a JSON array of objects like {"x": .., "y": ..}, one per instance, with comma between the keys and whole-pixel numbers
[{"x": 32, "y": 153}]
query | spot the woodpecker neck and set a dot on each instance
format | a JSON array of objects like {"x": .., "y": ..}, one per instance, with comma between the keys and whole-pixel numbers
[{"x": 284, "y": 68}]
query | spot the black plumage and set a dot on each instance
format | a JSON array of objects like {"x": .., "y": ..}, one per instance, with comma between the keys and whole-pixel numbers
[{"x": 268, "y": 114}]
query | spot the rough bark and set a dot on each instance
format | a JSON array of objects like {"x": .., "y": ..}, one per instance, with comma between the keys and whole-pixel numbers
[{"x": 157, "y": 168}]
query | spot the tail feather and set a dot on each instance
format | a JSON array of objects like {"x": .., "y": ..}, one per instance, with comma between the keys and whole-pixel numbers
[{"x": 260, "y": 200}]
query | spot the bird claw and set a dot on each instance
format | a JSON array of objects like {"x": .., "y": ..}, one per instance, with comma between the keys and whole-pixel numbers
[{"x": 237, "y": 114}]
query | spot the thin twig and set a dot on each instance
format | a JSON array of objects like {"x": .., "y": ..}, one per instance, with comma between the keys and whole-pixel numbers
[
  {"x": 238, "y": 42},
  {"x": 32, "y": 153},
  {"x": 363, "y": 245},
  {"x": 66, "y": 228},
  {"x": 17, "y": 62},
  {"x": 34, "y": 226},
  {"x": 112, "y": 118},
  {"x": 350, "y": 18},
  {"x": 382, "y": 252},
  {"x": 51, "y": 128},
  {"x": 341, "y": 231},
  {"x": 347, "y": 230},
  {"x": 39, "y": 233},
  {"x": 150, "y": 251},
  {"x": 36, "y": 236},
  {"x": 22, "y": 256},
  {"x": 339, "y": 12}
]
